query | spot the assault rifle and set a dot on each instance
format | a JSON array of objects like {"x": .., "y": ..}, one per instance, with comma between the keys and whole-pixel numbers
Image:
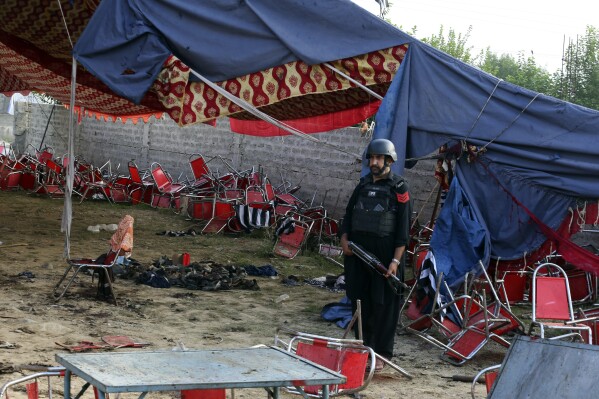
[{"x": 377, "y": 265}]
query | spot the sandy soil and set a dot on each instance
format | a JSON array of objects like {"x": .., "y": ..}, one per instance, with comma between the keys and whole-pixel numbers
[{"x": 32, "y": 323}]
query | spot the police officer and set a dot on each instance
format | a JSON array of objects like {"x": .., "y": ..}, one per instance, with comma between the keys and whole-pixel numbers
[{"x": 377, "y": 218}]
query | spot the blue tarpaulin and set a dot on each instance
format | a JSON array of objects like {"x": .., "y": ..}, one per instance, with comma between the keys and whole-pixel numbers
[
  {"x": 540, "y": 154},
  {"x": 127, "y": 41}
]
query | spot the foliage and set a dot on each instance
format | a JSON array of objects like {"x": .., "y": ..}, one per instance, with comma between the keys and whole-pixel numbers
[
  {"x": 578, "y": 81},
  {"x": 455, "y": 44}
]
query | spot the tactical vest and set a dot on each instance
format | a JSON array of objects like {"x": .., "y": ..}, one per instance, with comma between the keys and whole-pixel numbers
[{"x": 375, "y": 209}]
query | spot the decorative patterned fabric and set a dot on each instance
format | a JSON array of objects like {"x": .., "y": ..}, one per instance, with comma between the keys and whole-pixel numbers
[
  {"x": 35, "y": 55},
  {"x": 281, "y": 91},
  {"x": 20, "y": 73}
]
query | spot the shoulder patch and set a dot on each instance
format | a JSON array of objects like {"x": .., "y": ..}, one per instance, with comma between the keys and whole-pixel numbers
[{"x": 403, "y": 198}]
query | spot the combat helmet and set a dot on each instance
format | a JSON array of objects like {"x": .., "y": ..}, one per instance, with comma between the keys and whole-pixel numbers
[{"x": 381, "y": 147}]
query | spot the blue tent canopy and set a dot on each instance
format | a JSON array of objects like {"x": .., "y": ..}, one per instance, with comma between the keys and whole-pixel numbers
[
  {"x": 127, "y": 41},
  {"x": 540, "y": 153}
]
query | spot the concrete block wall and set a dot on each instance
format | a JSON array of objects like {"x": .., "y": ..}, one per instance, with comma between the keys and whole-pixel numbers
[
  {"x": 325, "y": 176},
  {"x": 6, "y": 120}
]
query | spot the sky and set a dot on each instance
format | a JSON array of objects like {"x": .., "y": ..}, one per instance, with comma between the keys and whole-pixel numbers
[{"x": 533, "y": 27}]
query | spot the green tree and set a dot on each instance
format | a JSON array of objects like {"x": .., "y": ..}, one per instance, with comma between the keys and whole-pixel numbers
[
  {"x": 455, "y": 44},
  {"x": 578, "y": 81},
  {"x": 502, "y": 66},
  {"x": 531, "y": 76}
]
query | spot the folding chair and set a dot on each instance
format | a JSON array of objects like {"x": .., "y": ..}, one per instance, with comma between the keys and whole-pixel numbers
[
  {"x": 102, "y": 265},
  {"x": 552, "y": 304},
  {"x": 590, "y": 317},
  {"x": 120, "y": 187},
  {"x": 432, "y": 312},
  {"x": 10, "y": 173},
  {"x": 216, "y": 212},
  {"x": 140, "y": 189},
  {"x": 292, "y": 234},
  {"x": 490, "y": 374},
  {"x": 32, "y": 387},
  {"x": 580, "y": 285},
  {"x": 349, "y": 357},
  {"x": 121, "y": 242},
  {"x": 28, "y": 175},
  {"x": 93, "y": 183},
  {"x": 512, "y": 285},
  {"x": 202, "y": 177},
  {"x": 473, "y": 322},
  {"x": 167, "y": 192},
  {"x": 51, "y": 179}
]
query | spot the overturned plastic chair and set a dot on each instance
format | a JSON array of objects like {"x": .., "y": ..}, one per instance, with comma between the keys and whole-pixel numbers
[
  {"x": 121, "y": 244},
  {"x": 292, "y": 234},
  {"x": 349, "y": 357}
]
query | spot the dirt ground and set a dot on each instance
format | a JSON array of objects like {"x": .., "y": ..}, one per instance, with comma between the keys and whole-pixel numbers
[{"x": 32, "y": 323}]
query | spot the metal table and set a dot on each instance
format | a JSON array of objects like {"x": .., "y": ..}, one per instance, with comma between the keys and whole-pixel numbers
[{"x": 150, "y": 371}]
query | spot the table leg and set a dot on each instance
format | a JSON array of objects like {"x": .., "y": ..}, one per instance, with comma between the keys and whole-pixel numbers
[
  {"x": 67, "y": 384},
  {"x": 275, "y": 392},
  {"x": 325, "y": 392}
]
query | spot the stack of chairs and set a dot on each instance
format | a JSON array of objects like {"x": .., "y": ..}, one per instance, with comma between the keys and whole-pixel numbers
[
  {"x": 11, "y": 170},
  {"x": 217, "y": 202},
  {"x": 459, "y": 325}
]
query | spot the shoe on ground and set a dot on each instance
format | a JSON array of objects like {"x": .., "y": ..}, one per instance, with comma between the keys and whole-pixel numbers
[{"x": 379, "y": 365}]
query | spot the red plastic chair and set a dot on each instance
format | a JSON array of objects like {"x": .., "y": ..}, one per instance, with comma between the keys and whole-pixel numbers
[
  {"x": 140, "y": 189},
  {"x": 552, "y": 304},
  {"x": 290, "y": 243},
  {"x": 167, "y": 192},
  {"x": 348, "y": 357},
  {"x": 201, "y": 173}
]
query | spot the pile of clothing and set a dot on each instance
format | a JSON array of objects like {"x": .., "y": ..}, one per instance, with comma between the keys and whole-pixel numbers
[{"x": 205, "y": 276}]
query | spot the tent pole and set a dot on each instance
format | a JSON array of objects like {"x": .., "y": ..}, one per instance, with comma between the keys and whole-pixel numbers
[
  {"x": 360, "y": 85},
  {"x": 47, "y": 124},
  {"x": 67, "y": 213},
  {"x": 267, "y": 118}
]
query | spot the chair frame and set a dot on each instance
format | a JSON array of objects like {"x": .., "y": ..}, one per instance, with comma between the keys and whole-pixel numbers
[
  {"x": 139, "y": 184},
  {"x": 165, "y": 187},
  {"x": 286, "y": 249},
  {"x": 479, "y": 322},
  {"x": 562, "y": 322},
  {"x": 77, "y": 265},
  {"x": 339, "y": 344}
]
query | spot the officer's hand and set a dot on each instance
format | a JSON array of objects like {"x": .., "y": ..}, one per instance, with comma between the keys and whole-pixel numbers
[
  {"x": 345, "y": 246},
  {"x": 392, "y": 269}
]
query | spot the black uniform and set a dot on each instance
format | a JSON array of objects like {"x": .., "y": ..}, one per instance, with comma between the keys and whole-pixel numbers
[{"x": 377, "y": 218}]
